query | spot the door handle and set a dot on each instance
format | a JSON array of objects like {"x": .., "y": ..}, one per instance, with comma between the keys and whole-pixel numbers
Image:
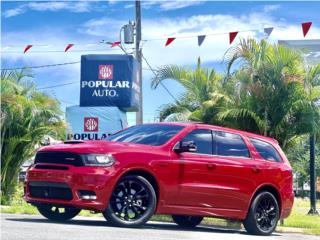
[
  {"x": 211, "y": 166},
  {"x": 255, "y": 169}
]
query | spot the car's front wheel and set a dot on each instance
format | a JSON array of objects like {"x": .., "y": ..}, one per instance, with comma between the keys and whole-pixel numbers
[
  {"x": 263, "y": 215},
  {"x": 56, "y": 213},
  {"x": 132, "y": 203},
  {"x": 187, "y": 221}
]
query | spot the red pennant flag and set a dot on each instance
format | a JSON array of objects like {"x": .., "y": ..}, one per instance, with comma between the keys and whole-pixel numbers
[
  {"x": 114, "y": 44},
  {"x": 232, "y": 36},
  {"x": 306, "y": 27},
  {"x": 27, "y": 48},
  {"x": 169, "y": 41},
  {"x": 70, "y": 45}
]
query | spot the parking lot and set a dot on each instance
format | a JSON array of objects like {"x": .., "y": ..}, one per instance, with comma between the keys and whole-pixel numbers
[{"x": 18, "y": 226}]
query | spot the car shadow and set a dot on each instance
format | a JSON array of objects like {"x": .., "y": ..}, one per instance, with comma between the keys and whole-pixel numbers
[{"x": 149, "y": 225}]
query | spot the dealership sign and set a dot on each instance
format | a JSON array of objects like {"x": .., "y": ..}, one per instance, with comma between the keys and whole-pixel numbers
[
  {"x": 93, "y": 123},
  {"x": 109, "y": 80}
]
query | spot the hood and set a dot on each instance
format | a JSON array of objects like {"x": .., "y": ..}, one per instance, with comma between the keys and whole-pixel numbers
[{"x": 100, "y": 146}]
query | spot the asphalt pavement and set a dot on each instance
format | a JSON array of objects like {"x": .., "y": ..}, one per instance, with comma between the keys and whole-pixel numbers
[{"x": 33, "y": 227}]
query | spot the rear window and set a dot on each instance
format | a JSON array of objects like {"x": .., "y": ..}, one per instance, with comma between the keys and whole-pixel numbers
[
  {"x": 229, "y": 144},
  {"x": 148, "y": 134},
  {"x": 266, "y": 150}
]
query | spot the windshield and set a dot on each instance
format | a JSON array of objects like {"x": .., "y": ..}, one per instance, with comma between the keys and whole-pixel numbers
[{"x": 149, "y": 134}]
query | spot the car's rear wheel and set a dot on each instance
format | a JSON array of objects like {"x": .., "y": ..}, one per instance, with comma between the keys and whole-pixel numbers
[
  {"x": 56, "y": 213},
  {"x": 132, "y": 203},
  {"x": 263, "y": 214},
  {"x": 187, "y": 221}
]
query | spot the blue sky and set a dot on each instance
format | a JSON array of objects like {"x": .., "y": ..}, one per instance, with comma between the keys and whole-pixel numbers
[{"x": 50, "y": 26}]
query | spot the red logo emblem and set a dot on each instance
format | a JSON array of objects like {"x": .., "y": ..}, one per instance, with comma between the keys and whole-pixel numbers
[
  {"x": 105, "y": 71},
  {"x": 91, "y": 124}
]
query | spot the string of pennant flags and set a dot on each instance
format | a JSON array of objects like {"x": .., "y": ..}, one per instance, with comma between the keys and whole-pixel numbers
[{"x": 169, "y": 40}]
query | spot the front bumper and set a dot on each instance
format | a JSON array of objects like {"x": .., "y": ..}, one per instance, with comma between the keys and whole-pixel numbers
[{"x": 99, "y": 180}]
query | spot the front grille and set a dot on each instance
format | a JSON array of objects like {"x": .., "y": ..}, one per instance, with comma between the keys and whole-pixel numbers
[
  {"x": 54, "y": 167},
  {"x": 50, "y": 190},
  {"x": 68, "y": 158}
]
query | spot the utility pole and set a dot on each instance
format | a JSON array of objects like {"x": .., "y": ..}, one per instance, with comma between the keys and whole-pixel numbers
[
  {"x": 313, "y": 197},
  {"x": 139, "y": 114}
]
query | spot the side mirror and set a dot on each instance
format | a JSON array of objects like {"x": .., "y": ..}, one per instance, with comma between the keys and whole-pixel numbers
[{"x": 188, "y": 146}]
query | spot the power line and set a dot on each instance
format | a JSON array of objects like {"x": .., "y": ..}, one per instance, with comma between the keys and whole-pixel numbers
[
  {"x": 39, "y": 66},
  {"x": 69, "y": 83},
  {"x": 156, "y": 74},
  {"x": 58, "y": 85}
]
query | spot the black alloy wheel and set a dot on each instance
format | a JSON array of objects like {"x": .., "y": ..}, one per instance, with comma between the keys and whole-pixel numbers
[
  {"x": 132, "y": 203},
  {"x": 56, "y": 213},
  {"x": 187, "y": 221},
  {"x": 263, "y": 215}
]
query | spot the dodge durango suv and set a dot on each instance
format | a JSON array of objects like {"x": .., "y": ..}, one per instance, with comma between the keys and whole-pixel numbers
[{"x": 186, "y": 170}]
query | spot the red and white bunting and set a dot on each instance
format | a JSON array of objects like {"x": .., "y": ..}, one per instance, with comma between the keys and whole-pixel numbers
[
  {"x": 306, "y": 27},
  {"x": 115, "y": 44},
  {"x": 27, "y": 48},
  {"x": 232, "y": 36},
  {"x": 70, "y": 45},
  {"x": 169, "y": 41}
]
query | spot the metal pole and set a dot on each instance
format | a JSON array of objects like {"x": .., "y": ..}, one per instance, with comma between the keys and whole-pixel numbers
[
  {"x": 139, "y": 114},
  {"x": 313, "y": 208}
]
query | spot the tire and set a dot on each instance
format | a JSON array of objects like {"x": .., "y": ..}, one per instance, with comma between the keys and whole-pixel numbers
[
  {"x": 59, "y": 214},
  {"x": 263, "y": 215},
  {"x": 132, "y": 203},
  {"x": 187, "y": 221}
]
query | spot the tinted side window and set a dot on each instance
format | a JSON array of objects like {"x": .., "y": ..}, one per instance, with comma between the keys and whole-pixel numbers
[
  {"x": 203, "y": 140},
  {"x": 229, "y": 144},
  {"x": 266, "y": 150}
]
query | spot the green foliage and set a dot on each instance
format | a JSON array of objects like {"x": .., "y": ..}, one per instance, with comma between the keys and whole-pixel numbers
[
  {"x": 27, "y": 115},
  {"x": 270, "y": 92},
  {"x": 299, "y": 156},
  {"x": 199, "y": 84}
]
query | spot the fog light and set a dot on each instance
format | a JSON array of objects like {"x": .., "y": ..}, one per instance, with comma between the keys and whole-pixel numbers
[{"x": 87, "y": 195}]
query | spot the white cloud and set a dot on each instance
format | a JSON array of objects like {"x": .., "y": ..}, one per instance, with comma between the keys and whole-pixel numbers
[
  {"x": 271, "y": 8},
  {"x": 171, "y": 5},
  {"x": 79, "y": 7},
  {"x": 129, "y": 6},
  {"x": 107, "y": 28},
  {"x": 51, "y": 40},
  {"x": 185, "y": 50}
]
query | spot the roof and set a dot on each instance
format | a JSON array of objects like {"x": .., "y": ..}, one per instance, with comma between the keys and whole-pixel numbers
[
  {"x": 245, "y": 133},
  {"x": 310, "y": 48}
]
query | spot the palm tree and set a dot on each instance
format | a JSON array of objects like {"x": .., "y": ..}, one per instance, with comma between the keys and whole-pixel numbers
[
  {"x": 271, "y": 94},
  {"x": 198, "y": 83},
  {"x": 26, "y": 116}
]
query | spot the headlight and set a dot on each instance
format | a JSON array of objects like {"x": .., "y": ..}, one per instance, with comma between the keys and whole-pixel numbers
[{"x": 98, "y": 159}]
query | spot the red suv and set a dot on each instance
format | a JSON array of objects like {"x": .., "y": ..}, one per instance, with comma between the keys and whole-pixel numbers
[{"x": 187, "y": 170}]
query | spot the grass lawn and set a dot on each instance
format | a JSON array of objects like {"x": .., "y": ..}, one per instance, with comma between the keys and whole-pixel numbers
[{"x": 298, "y": 221}]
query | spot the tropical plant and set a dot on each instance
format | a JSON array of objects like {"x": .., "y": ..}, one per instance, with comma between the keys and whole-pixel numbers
[
  {"x": 272, "y": 99},
  {"x": 199, "y": 83},
  {"x": 264, "y": 92},
  {"x": 27, "y": 115},
  {"x": 299, "y": 156}
]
